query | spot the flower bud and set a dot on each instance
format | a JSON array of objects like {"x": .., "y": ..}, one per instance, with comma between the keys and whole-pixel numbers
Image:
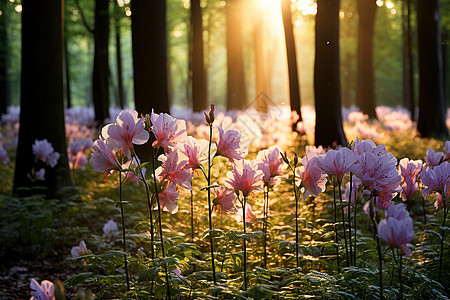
[
  {"x": 295, "y": 159},
  {"x": 147, "y": 123},
  {"x": 210, "y": 117}
]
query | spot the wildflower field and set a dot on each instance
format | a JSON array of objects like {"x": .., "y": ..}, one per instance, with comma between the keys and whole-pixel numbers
[{"x": 229, "y": 206}]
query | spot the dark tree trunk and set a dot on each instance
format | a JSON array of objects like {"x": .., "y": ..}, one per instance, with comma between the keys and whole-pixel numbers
[
  {"x": 42, "y": 99},
  {"x": 121, "y": 95},
  {"x": 262, "y": 100},
  {"x": 149, "y": 38},
  {"x": 365, "y": 84},
  {"x": 4, "y": 96},
  {"x": 327, "y": 87},
  {"x": 432, "y": 108},
  {"x": 294, "y": 88},
  {"x": 100, "y": 77},
  {"x": 67, "y": 74},
  {"x": 148, "y": 23},
  {"x": 408, "y": 66},
  {"x": 199, "y": 88},
  {"x": 236, "y": 87}
]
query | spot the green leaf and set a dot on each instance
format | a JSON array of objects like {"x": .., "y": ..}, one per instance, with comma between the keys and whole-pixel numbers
[{"x": 78, "y": 279}]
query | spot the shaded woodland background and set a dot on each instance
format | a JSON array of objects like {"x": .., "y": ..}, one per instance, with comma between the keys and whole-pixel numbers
[{"x": 235, "y": 54}]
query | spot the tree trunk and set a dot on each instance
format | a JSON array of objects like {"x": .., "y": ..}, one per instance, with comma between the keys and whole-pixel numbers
[
  {"x": 121, "y": 95},
  {"x": 149, "y": 38},
  {"x": 408, "y": 67},
  {"x": 236, "y": 87},
  {"x": 199, "y": 88},
  {"x": 4, "y": 97},
  {"x": 262, "y": 100},
  {"x": 432, "y": 108},
  {"x": 327, "y": 88},
  {"x": 67, "y": 74},
  {"x": 294, "y": 88},
  {"x": 100, "y": 77},
  {"x": 365, "y": 84},
  {"x": 42, "y": 99}
]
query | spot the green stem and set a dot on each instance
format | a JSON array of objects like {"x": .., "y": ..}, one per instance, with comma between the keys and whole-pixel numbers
[
  {"x": 192, "y": 216},
  {"x": 211, "y": 241},
  {"x": 442, "y": 242},
  {"x": 400, "y": 277},
  {"x": 160, "y": 225},
  {"x": 123, "y": 231},
  {"x": 245, "y": 244},
  {"x": 265, "y": 211},
  {"x": 335, "y": 226},
  {"x": 343, "y": 223},
  {"x": 149, "y": 204},
  {"x": 296, "y": 226}
]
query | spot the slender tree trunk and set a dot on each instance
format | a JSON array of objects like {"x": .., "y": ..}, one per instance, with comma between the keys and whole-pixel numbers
[
  {"x": 236, "y": 86},
  {"x": 199, "y": 87},
  {"x": 4, "y": 97},
  {"x": 100, "y": 77},
  {"x": 149, "y": 38},
  {"x": 262, "y": 100},
  {"x": 327, "y": 87},
  {"x": 121, "y": 95},
  {"x": 294, "y": 87},
  {"x": 408, "y": 68},
  {"x": 67, "y": 74},
  {"x": 365, "y": 84},
  {"x": 431, "y": 85},
  {"x": 42, "y": 99}
]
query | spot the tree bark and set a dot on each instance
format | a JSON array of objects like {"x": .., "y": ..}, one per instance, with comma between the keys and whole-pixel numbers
[
  {"x": 327, "y": 88},
  {"x": 294, "y": 88},
  {"x": 149, "y": 39},
  {"x": 262, "y": 99},
  {"x": 121, "y": 95},
  {"x": 408, "y": 66},
  {"x": 4, "y": 86},
  {"x": 432, "y": 108},
  {"x": 236, "y": 86},
  {"x": 42, "y": 99},
  {"x": 199, "y": 87},
  {"x": 100, "y": 77},
  {"x": 365, "y": 85}
]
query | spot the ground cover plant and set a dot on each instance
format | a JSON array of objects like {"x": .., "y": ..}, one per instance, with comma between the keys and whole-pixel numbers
[{"x": 230, "y": 208}]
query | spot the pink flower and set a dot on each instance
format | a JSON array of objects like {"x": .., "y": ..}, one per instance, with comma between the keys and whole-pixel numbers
[
  {"x": 433, "y": 158},
  {"x": 111, "y": 230},
  {"x": 436, "y": 180},
  {"x": 311, "y": 177},
  {"x": 40, "y": 174},
  {"x": 3, "y": 155},
  {"x": 338, "y": 162},
  {"x": 376, "y": 171},
  {"x": 168, "y": 131},
  {"x": 225, "y": 197},
  {"x": 128, "y": 130},
  {"x": 409, "y": 168},
  {"x": 175, "y": 170},
  {"x": 346, "y": 195},
  {"x": 447, "y": 150},
  {"x": 44, "y": 151},
  {"x": 368, "y": 146},
  {"x": 397, "y": 229},
  {"x": 103, "y": 159},
  {"x": 229, "y": 145},
  {"x": 271, "y": 164},
  {"x": 197, "y": 152},
  {"x": 409, "y": 187},
  {"x": 43, "y": 291},
  {"x": 439, "y": 203},
  {"x": 249, "y": 215},
  {"x": 79, "y": 250},
  {"x": 168, "y": 198},
  {"x": 316, "y": 150},
  {"x": 245, "y": 177}
]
